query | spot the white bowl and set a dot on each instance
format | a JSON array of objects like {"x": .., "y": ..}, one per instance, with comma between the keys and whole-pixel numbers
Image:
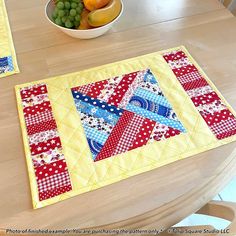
[{"x": 81, "y": 34}]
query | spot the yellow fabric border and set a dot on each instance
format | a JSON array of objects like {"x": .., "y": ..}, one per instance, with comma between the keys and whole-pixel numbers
[
  {"x": 6, "y": 42},
  {"x": 87, "y": 175}
]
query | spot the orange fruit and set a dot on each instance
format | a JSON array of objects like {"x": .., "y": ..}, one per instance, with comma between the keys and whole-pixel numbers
[
  {"x": 84, "y": 20},
  {"x": 92, "y": 5}
]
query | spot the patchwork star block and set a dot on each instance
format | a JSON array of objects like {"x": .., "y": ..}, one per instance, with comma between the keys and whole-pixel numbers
[{"x": 124, "y": 113}]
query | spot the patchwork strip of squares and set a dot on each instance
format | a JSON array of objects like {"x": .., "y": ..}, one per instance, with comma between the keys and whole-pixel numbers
[
  {"x": 123, "y": 113},
  {"x": 44, "y": 141},
  {"x": 212, "y": 109}
]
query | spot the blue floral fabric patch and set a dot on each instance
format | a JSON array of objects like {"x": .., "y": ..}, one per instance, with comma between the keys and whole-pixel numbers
[{"x": 6, "y": 64}]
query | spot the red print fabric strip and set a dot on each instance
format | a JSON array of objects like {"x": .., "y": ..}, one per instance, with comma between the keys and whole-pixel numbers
[
  {"x": 44, "y": 141},
  {"x": 50, "y": 169},
  {"x": 205, "y": 99},
  {"x": 54, "y": 185},
  {"x": 199, "y": 83},
  {"x": 30, "y": 93},
  {"x": 111, "y": 143},
  {"x": 41, "y": 126},
  {"x": 37, "y": 109},
  {"x": 215, "y": 113},
  {"x": 53, "y": 179},
  {"x": 96, "y": 89},
  {"x": 162, "y": 132},
  {"x": 45, "y": 146},
  {"x": 93, "y": 90},
  {"x": 217, "y": 117},
  {"x": 126, "y": 140},
  {"x": 144, "y": 133},
  {"x": 83, "y": 89},
  {"x": 122, "y": 88}
]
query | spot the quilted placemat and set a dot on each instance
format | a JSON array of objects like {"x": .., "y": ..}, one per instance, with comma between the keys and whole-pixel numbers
[
  {"x": 85, "y": 130},
  {"x": 8, "y": 63}
]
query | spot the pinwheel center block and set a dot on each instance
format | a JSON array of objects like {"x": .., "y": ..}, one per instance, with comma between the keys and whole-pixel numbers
[{"x": 124, "y": 113}]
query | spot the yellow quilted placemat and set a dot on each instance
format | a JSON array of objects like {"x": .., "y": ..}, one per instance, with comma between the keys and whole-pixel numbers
[
  {"x": 88, "y": 129},
  {"x": 8, "y": 63}
]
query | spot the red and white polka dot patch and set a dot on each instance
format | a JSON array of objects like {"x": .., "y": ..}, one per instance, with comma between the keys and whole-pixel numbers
[
  {"x": 96, "y": 89},
  {"x": 217, "y": 117},
  {"x": 39, "y": 108},
  {"x": 205, "y": 99},
  {"x": 50, "y": 169},
  {"x": 144, "y": 133},
  {"x": 33, "y": 91},
  {"x": 184, "y": 70}
]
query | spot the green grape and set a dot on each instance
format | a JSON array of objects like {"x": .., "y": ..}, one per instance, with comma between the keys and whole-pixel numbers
[
  {"x": 79, "y": 10},
  {"x": 67, "y": 12},
  {"x": 73, "y": 5},
  {"x": 71, "y": 18},
  {"x": 68, "y": 24},
  {"x": 60, "y": 5},
  {"x": 77, "y": 23},
  {"x": 54, "y": 14},
  {"x": 73, "y": 12},
  {"x": 78, "y": 18},
  {"x": 58, "y": 21},
  {"x": 61, "y": 13},
  {"x": 63, "y": 19},
  {"x": 56, "y": 10},
  {"x": 81, "y": 6},
  {"x": 67, "y": 5}
]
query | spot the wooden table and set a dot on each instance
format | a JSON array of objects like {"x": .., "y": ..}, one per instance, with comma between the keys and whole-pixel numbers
[{"x": 159, "y": 198}]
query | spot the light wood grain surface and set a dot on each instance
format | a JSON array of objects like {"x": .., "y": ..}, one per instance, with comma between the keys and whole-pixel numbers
[{"x": 156, "y": 199}]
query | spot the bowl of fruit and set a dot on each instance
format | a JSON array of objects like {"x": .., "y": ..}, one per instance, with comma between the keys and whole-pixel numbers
[{"x": 84, "y": 19}]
